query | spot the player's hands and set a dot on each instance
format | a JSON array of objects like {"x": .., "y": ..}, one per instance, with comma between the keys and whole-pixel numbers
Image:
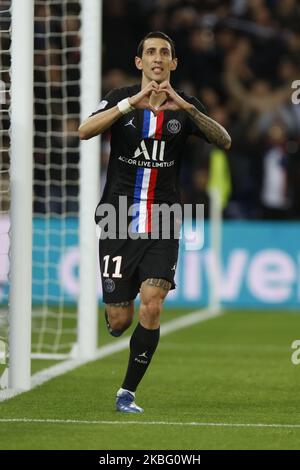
[
  {"x": 142, "y": 99},
  {"x": 174, "y": 102}
]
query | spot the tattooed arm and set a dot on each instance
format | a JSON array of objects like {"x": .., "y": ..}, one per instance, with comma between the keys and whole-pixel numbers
[{"x": 214, "y": 132}]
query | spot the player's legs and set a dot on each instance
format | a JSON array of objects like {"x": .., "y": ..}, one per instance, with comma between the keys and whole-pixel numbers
[
  {"x": 156, "y": 272},
  {"x": 144, "y": 340},
  {"x": 127, "y": 267},
  {"x": 119, "y": 316}
]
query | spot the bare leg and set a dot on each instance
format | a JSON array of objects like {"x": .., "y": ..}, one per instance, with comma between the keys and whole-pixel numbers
[{"x": 119, "y": 316}]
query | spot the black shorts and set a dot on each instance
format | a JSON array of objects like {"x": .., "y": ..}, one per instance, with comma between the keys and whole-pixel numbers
[{"x": 125, "y": 264}]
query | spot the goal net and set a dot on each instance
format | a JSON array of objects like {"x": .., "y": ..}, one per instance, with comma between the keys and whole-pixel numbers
[
  {"x": 66, "y": 88},
  {"x": 56, "y": 171},
  {"x": 66, "y": 174},
  {"x": 5, "y": 25}
]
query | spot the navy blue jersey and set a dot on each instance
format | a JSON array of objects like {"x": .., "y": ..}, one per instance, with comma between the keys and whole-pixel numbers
[{"x": 146, "y": 151}]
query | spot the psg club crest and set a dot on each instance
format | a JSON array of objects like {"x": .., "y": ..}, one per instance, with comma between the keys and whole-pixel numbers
[
  {"x": 174, "y": 126},
  {"x": 109, "y": 285}
]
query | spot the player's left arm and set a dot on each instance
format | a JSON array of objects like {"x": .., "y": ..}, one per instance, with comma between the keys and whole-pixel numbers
[{"x": 212, "y": 130}]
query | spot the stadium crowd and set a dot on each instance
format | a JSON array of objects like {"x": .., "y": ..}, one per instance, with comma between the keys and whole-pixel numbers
[{"x": 239, "y": 57}]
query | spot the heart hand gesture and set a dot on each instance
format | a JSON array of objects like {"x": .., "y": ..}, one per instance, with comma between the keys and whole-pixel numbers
[{"x": 142, "y": 99}]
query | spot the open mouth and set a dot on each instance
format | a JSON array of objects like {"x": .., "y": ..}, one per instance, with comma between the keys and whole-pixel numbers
[{"x": 157, "y": 69}]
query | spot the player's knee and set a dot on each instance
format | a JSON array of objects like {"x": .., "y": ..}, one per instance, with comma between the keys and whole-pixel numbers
[{"x": 151, "y": 308}]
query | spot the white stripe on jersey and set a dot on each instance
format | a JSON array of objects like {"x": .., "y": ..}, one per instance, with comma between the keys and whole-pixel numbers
[
  {"x": 143, "y": 201},
  {"x": 152, "y": 125}
]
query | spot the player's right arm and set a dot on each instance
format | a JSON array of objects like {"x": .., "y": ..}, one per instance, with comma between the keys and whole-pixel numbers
[
  {"x": 103, "y": 119},
  {"x": 98, "y": 123}
]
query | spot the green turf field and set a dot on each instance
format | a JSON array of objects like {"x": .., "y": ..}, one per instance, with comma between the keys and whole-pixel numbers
[{"x": 234, "y": 369}]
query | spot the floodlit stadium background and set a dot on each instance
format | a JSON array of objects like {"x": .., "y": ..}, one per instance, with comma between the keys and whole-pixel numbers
[{"x": 240, "y": 59}]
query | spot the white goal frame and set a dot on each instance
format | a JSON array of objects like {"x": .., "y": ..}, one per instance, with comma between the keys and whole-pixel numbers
[{"x": 20, "y": 297}]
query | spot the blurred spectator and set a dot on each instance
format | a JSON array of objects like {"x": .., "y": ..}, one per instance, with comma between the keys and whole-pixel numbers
[{"x": 275, "y": 197}]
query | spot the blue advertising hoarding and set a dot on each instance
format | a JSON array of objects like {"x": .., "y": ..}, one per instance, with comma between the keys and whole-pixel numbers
[{"x": 260, "y": 265}]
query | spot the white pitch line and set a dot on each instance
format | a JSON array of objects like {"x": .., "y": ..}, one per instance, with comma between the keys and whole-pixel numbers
[
  {"x": 148, "y": 423},
  {"x": 62, "y": 368}
]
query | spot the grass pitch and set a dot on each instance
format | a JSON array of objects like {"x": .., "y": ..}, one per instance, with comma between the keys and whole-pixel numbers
[{"x": 210, "y": 386}]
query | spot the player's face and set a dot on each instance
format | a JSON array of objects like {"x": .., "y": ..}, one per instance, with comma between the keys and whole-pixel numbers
[{"x": 156, "y": 62}]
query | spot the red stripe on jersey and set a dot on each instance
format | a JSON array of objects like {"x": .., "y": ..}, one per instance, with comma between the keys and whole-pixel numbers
[
  {"x": 150, "y": 197},
  {"x": 159, "y": 125}
]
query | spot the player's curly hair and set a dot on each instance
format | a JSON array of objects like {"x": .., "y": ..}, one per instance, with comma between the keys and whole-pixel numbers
[{"x": 156, "y": 34}]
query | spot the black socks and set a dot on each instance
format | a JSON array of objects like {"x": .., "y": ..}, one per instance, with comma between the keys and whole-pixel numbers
[{"x": 143, "y": 344}]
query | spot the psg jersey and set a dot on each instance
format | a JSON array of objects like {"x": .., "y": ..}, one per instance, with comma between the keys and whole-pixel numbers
[{"x": 146, "y": 151}]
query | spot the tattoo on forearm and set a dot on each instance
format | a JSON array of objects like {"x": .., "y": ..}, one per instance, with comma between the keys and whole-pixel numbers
[
  {"x": 121, "y": 304},
  {"x": 213, "y": 130},
  {"x": 163, "y": 283}
]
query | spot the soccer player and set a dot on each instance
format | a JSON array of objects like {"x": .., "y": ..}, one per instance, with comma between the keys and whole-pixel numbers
[{"x": 149, "y": 125}]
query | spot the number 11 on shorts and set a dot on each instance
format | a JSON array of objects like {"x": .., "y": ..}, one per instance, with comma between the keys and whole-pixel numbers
[{"x": 117, "y": 260}]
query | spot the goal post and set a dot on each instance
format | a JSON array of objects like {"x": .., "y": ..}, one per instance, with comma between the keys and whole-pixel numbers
[
  {"x": 55, "y": 83},
  {"x": 21, "y": 193}
]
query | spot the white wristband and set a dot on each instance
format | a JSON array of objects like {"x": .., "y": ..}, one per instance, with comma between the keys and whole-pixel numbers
[{"x": 124, "y": 106}]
